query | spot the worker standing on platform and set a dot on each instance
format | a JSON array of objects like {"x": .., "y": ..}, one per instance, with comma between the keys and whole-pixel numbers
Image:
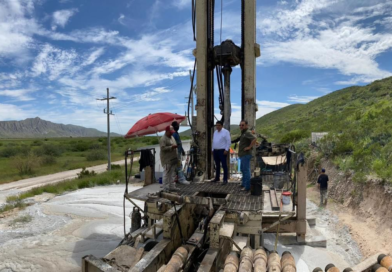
[
  {"x": 220, "y": 149},
  {"x": 180, "y": 153},
  {"x": 247, "y": 141},
  {"x": 169, "y": 159},
  {"x": 322, "y": 184}
]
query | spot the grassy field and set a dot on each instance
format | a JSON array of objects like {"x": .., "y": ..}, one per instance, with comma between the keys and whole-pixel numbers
[{"x": 25, "y": 158}]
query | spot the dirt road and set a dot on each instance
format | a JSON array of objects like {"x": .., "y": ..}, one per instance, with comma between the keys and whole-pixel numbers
[{"x": 19, "y": 186}]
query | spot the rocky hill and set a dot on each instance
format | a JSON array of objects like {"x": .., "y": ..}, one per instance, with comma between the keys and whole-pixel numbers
[{"x": 38, "y": 128}]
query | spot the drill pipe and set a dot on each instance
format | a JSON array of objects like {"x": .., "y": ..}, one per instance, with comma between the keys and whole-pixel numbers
[
  {"x": 331, "y": 268},
  {"x": 385, "y": 261},
  {"x": 348, "y": 269},
  {"x": 379, "y": 268},
  {"x": 231, "y": 263},
  {"x": 177, "y": 260},
  {"x": 317, "y": 269},
  {"x": 260, "y": 260},
  {"x": 274, "y": 262},
  {"x": 246, "y": 264},
  {"x": 287, "y": 262}
]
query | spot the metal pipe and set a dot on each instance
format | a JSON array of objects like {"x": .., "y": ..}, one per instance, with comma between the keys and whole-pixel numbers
[
  {"x": 331, "y": 268},
  {"x": 379, "y": 268},
  {"x": 348, "y": 269},
  {"x": 385, "y": 261},
  {"x": 317, "y": 269},
  {"x": 287, "y": 262},
  {"x": 231, "y": 263},
  {"x": 260, "y": 260},
  {"x": 227, "y": 104},
  {"x": 274, "y": 262},
  {"x": 177, "y": 260},
  {"x": 246, "y": 263}
]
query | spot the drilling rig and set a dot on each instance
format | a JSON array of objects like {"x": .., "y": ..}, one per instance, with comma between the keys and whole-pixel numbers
[{"x": 206, "y": 227}]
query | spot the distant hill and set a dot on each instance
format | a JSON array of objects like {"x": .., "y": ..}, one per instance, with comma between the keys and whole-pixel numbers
[
  {"x": 187, "y": 133},
  {"x": 38, "y": 128}
]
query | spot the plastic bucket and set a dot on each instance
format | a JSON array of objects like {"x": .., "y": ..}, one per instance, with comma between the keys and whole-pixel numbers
[
  {"x": 256, "y": 186},
  {"x": 286, "y": 198}
]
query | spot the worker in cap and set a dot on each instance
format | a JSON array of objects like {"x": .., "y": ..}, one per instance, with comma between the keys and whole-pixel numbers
[
  {"x": 322, "y": 184},
  {"x": 169, "y": 160}
]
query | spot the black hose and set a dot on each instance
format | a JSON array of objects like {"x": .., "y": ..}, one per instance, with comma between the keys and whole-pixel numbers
[
  {"x": 194, "y": 19},
  {"x": 190, "y": 97}
]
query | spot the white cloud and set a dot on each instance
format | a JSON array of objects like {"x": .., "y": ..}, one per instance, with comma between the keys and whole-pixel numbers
[
  {"x": 180, "y": 4},
  {"x": 296, "y": 34},
  {"x": 93, "y": 56},
  {"x": 53, "y": 62},
  {"x": 61, "y": 17},
  {"x": 18, "y": 95},
  {"x": 271, "y": 104},
  {"x": 301, "y": 99},
  {"x": 11, "y": 112}
]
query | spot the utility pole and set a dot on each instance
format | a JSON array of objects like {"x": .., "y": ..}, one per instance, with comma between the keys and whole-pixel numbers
[{"x": 108, "y": 113}]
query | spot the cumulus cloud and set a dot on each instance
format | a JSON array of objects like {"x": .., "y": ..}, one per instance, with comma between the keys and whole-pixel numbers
[
  {"x": 18, "y": 94},
  {"x": 301, "y": 99},
  {"x": 314, "y": 33},
  {"x": 61, "y": 17}
]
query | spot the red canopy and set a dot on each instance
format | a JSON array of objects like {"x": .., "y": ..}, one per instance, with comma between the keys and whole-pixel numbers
[{"x": 153, "y": 123}]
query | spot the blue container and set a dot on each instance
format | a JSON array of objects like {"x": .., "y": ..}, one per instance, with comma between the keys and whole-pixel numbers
[{"x": 160, "y": 180}]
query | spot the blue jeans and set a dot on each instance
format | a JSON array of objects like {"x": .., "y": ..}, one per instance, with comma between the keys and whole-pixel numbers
[
  {"x": 180, "y": 172},
  {"x": 219, "y": 158},
  {"x": 245, "y": 169}
]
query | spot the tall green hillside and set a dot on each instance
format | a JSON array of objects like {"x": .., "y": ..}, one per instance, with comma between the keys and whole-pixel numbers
[{"x": 359, "y": 122}]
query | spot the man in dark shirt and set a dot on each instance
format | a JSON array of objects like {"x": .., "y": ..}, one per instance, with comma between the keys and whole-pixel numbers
[
  {"x": 247, "y": 141},
  {"x": 322, "y": 184}
]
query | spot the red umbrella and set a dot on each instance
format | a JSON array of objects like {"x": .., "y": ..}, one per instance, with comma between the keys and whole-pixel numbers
[{"x": 153, "y": 123}]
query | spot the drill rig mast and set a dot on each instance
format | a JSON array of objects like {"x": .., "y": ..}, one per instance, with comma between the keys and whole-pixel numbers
[{"x": 226, "y": 55}]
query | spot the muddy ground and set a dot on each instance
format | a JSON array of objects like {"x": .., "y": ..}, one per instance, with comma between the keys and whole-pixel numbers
[{"x": 65, "y": 228}]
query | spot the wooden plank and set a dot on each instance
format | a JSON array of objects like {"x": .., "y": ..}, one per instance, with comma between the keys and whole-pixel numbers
[
  {"x": 274, "y": 201},
  {"x": 208, "y": 261},
  {"x": 227, "y": 229},
  {"x": 215, "y": 225},
  {"x": 153, "y": 259}
]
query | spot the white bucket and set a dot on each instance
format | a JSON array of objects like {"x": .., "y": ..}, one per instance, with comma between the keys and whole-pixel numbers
[{"x": 286, "y": 199}]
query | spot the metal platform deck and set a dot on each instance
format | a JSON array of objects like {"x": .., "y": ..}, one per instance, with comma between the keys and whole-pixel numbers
[{"x": 236, "y": 199}]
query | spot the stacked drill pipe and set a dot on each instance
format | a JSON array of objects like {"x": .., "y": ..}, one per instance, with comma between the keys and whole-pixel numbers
[
  {"x": 246, "y": 260},
  {"x": 331, "y": 268},
  {"x": 274, "y": 262},
  {"x": 379, "y": 268},
  {"x": 260, "y": 260},
  {"x": 317, "y": 269},
  {"x": 348, "y": 270},
  {"x": 231, "y": 263},
  {"x": 385, "y": 261},
  {"x": 287, "y": 262},
  {"x": 177, "y": 260}
]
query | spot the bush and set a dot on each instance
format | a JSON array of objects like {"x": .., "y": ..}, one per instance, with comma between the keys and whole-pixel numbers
[
  {"x": 95, "y": 155},
  {"x": 294, "y": 136},
  {"x": 115, "y": 166},
  {"x": 37, "y": 143},
  {"x": 9, "y": 151},
  {"x": 26, "y": 164},
  {"x": 81, "y": 146},
  {"x": 48, "y": 160},
  {"x": 49, "y": 150},
  {"x": 86, "y": 173}
]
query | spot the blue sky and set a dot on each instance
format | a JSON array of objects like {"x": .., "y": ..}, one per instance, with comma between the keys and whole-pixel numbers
[{"x": 57, "y": 57}]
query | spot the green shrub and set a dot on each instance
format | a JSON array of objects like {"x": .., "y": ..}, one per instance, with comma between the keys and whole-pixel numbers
[
  {"x": 95, "y": 155},
  {"x": 9, "y": 151},
  {"x": 36, "y": 143},
  {"x": 115, "y": 166},
  {"x": 85, "y": 173},
  {"x": 81, "y": 146},
  {"x": 48, "y": 160},
  {"x": 294, "y": 136},
  {"x": 26, "y": 164},
  {"x": 49, "y": 150}
]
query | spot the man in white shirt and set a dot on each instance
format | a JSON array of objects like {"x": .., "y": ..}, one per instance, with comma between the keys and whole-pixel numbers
[{"x": 220, "y": 148}]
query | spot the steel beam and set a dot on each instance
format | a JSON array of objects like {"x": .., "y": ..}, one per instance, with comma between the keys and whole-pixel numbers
[{"x": 201, "y": 82}]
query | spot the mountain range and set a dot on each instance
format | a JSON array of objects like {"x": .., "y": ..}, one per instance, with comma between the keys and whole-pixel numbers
[{"x": 38, "y": 128}]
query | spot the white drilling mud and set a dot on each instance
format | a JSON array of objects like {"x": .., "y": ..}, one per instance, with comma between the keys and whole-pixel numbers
[{"x": 90, "y": 221}]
